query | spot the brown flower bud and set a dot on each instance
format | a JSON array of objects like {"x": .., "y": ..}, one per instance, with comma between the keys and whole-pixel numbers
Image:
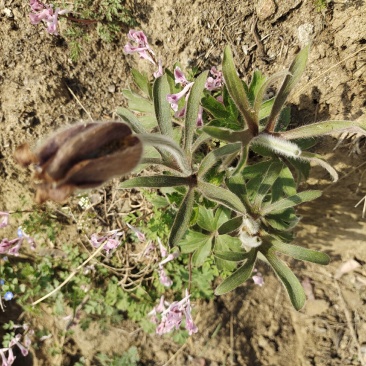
[{"x": 80, "y": 157}]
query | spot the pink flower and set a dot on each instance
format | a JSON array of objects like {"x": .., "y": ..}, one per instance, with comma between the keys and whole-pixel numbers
[
  {"x": 16, "y": 341},
  {"x": 142, "y": 46},
  {"x": 163, "y": 277},
  {"x": 110, "y": 240},
  {"x": 46, "y": 14},
  {"x": 258, "y": 278},
  {"x": 160, "y": 71},
  {"x": 179, "y": 77},
  {"x": 173, "y": 99},
  {"x": 172, "y": 316},
  {"x": 10, "y": 246},
  {"x": 140, "y": 235},
  {"x": 5, "y": 219},
  {"x": 215, "y": 82}
]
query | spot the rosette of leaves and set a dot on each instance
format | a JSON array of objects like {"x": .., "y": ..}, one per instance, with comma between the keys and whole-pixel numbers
[{"x": 253, "y": 210}]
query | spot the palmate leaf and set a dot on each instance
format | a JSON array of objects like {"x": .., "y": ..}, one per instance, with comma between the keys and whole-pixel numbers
[
  {"x": 239, "y": 276},
  {"x": 291, "y": 201},
  {"x": 181, "y": 221},
  {"x": 201, "y": 254},
  {"x": 194, "y": 240},
  {"x": 286, "y": 276},
  {"x": 162, "y": 107}
]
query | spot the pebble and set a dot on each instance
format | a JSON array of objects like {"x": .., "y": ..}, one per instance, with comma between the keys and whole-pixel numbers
[{"x": 265, "y": 9}]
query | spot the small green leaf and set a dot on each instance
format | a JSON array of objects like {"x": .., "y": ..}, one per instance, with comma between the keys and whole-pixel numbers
[
  {"x": 131, "y": 119},
  {"x": 194, "y": 240},
  {"x": 181, "y": 221},
  {"x": 237, "y": 91},
  {"x": 301, "y": 253},
  {"x": 138, "y": 103},
  {"x": 162, "y": 107},
  {"x": 192, "y": 111},
  {"x": 239, "y": 276},
  {"x": 291, "y": 201},
  {"x": 289, "y": 280},
  {"x": 295, "y": 71},
  {"x": 236, "y": 184},
  {"x": 206, "y": 219},
  {"x": 213, "y": 106},
  {"x": 325, "y": 128},
  {"x": 214, "y": 156},
  {"x": 142, "y": 81},
  {"x": 231, "y": 256},
  {"x": 156, "y": 181},
  {"x": 231, "y": 225},
  {"x": 201, "y": 254},
  {"x": 222, "y": 215},
  {"x": 221, "y": 195}
]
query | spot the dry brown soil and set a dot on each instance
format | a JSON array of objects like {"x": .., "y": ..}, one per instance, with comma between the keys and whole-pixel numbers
[{"x": 251, "y": 326}]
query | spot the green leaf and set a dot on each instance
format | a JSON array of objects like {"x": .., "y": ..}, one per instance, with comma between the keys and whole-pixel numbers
[
  {"x": 162, "y": 107},
  {"x": 291, "y": 201},
  {"x": 295, "y": 71},
  {"x": 289, "y": 280},
  {"x": 301, "y": 253},
  {"x": 285, "y": 185},
  {"x": 213, "y": 106},
  {"x": 236, "y": 184},
  {"x": 192, "y": 111},
  {"x": 201, "y": 254},
  {"x": 214, "y": 156},
  {"x": 142, "y": 81},
  {"x": 317, "y": 159},
  {"x": 228, "y": 135},
  {"x": 284, "y": 221},
  {"x": 221, "y": 195},
  {"x": 138, "y": 103},
  {"x": 156, "y": 181},
  {"x": 181, "y": 221},
  {"x": 231, "y": 256},
  {"x": 265, "y": 109},
  {"x": 325, "y": 128},
  {"x": 131, "y": 119},
  {"x": 222, "y": 214},
  {"x": 256, "y": 84},
  {"x": 206, "y": 219},
  {"x": 193, "y": 241},
  {"x": 237, "y": 91},
  {"x": 239, "y": 276},
  {"x": 223, "y": 243},
  {"x": 231, "y": 225}
]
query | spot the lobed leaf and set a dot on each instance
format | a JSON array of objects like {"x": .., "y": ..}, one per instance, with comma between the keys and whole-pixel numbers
[{"x": 194, "y": 240}]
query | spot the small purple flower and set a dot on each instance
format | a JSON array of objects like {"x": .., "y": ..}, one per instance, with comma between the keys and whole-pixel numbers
[
  {"x": 173, "y": 99},
  {"x": 8, "y": 296},
  {"x": 16, "y": 341},
  {"x": 169, "y": 258},
  {"x": 11, "y": 246},
  {"x": 4, "y": 219},
  {"x": 163, "y": 250},
  {"x": 258, "y": 278},
  {"x": 199, "y": 122},
  {"x": 2, "y": 282}
]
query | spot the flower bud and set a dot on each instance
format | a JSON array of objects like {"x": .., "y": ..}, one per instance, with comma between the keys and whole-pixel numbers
[{"x": 80, "y": 157}]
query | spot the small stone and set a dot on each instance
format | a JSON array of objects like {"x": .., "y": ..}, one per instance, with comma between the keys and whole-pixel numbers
[
  {"x": 304, "y": 33},
  {"x": 8, "y": 13},
  {"x": 265, "y": 9},
  {"x": 112, "y": 88}
]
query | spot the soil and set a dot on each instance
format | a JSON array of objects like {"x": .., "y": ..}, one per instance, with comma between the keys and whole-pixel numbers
[{"x": 254, "y": 326}]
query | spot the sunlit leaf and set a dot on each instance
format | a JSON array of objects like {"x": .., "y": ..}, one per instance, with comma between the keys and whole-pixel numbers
[
  {"x": 230, "y": 225},
  {"x": 194, "y": 240},
  {"x": 131, "y": 119},
  {"x": 155, "y": 181}
]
